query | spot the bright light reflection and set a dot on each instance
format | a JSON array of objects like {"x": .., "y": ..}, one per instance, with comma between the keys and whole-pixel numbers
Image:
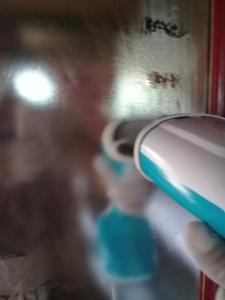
[
  {"x": 132, "y": 96},
  {"x": 35, "y": 86}
]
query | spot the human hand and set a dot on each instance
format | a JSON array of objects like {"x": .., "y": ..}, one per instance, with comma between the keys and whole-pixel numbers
[
  {"x": 129, "y": 192},
  {"x": 208, "y": 250}
]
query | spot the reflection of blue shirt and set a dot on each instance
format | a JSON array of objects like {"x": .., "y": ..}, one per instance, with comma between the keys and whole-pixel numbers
[
  {"x": 118, "y": 168},
  {"x": 126, "y": 245}
]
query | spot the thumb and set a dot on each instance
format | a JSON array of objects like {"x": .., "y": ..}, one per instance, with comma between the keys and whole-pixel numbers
[{"x": 208, "y": 250}]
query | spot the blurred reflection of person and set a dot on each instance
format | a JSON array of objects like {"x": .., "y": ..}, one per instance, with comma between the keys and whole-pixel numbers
[
  {"x": 126, "y": 248},
  {"x": 42, "y": 252}
]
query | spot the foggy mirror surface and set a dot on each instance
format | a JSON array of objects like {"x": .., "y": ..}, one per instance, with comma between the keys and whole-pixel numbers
[{"x": 78, "y": 82}]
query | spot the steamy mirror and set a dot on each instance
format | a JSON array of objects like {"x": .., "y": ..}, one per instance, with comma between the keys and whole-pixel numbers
[{"x": 79, "y": 80}]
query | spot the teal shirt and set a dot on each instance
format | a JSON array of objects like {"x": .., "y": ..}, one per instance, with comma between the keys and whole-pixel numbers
[{"x": 125, "y": 245}]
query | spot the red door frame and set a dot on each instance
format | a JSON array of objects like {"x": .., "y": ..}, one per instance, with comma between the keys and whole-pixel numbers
[
  {"x": 217, "y": 61},
  {"x": 216, "y": 97}
]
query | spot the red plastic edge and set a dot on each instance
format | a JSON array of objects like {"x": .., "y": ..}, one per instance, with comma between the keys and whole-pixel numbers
[
  {"x": 217, "y": 72},
  {"x": 208, "y": 288},
  {"x": 216, "y": 100}
]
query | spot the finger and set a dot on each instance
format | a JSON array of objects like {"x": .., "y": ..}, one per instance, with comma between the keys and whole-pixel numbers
[{"x": 208, "y": 249}]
